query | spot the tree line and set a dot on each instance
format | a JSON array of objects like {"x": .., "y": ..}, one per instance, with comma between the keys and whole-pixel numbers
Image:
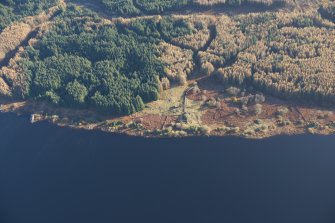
[
  {"x": 13, "y": 10},
  {"x": 136, "y": 7}
]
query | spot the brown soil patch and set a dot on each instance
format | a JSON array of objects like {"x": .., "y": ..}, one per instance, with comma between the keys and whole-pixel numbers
[{"x": 152, "y": 122}]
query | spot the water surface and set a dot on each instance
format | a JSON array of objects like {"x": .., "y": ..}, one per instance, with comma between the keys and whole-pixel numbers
[{"x": 52, "y": 175}]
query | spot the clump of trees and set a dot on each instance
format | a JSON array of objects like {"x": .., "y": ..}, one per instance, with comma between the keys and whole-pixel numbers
[
  {"x": 288, "y": 55},
  {"x": 174, "y": 28},
  {"x": 207, "y": 68},
  {"x": 125, "y": 7},
  {"x": 159, "y": 6},
  {"x": 83, "y": 63},
  {"x": 136, "y": 7},
  {"x": 178, "y": 63},
  {"x": 200, "y": 28}
]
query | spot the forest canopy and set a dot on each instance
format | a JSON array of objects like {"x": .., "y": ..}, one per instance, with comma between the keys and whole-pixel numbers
[
  {"x": 13, "y": 10},
  {"x": 136, "y": 7},
  {"x": 82, "y": 62},
  {"x": 115, "y": 66}
]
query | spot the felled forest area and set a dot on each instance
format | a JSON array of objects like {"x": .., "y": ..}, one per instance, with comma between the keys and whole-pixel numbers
[{"x": 144, "y": 70}]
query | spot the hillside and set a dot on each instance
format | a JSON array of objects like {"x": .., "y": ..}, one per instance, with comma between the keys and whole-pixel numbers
[{"x": 255, "y": 68}]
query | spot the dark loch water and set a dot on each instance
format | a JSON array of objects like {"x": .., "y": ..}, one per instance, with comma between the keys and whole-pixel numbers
[{"x": 55, "y": 175}]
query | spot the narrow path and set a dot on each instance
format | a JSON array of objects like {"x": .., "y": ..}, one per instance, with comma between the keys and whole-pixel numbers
[
  {"x": 185, "y": 98},
  {"x": 299, "y": 112}
]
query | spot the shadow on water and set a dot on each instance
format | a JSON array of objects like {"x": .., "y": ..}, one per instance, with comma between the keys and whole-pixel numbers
[{"x": 51, "y": 174}]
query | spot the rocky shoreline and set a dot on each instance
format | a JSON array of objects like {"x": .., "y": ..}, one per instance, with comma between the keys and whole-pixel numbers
[{"x": 202, "y": 113}]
